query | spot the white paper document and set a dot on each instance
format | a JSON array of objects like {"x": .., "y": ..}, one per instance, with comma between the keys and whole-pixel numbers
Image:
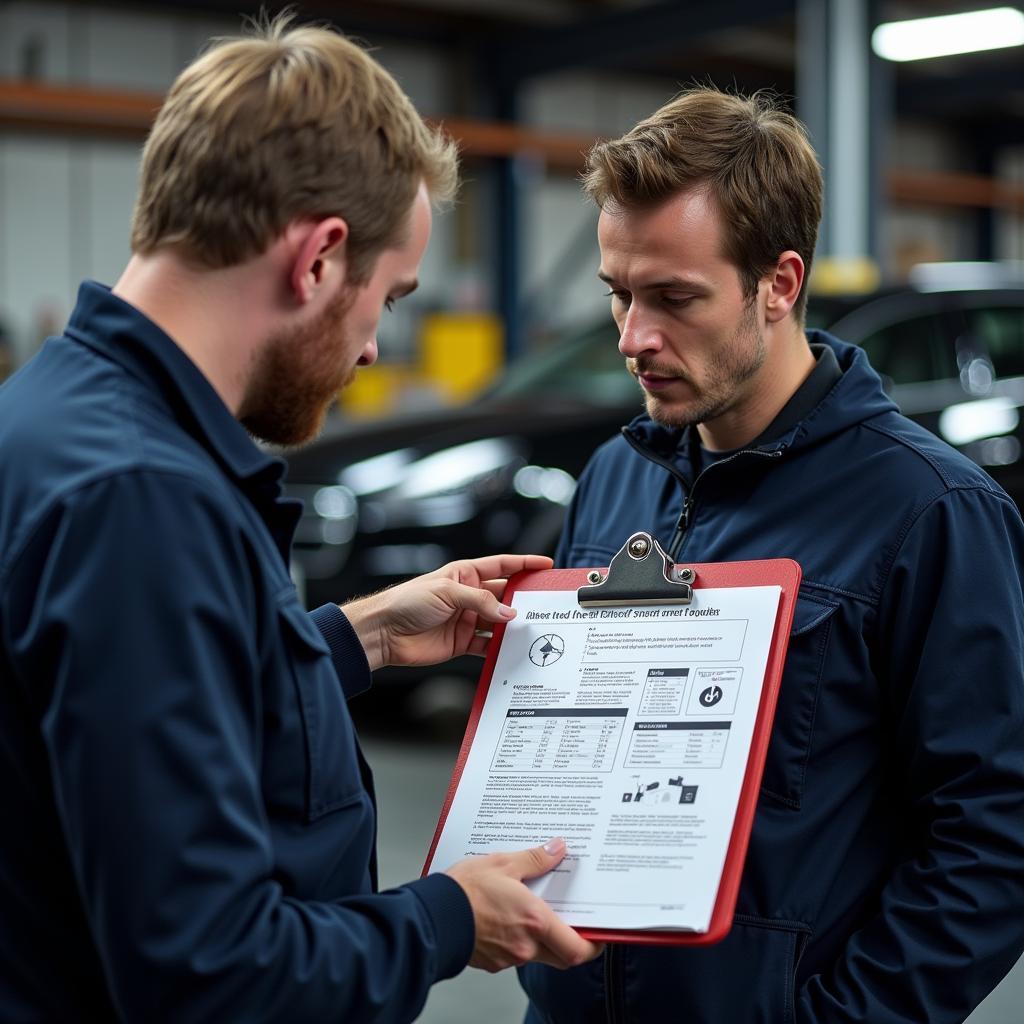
[{"x": 626, "y": 731}]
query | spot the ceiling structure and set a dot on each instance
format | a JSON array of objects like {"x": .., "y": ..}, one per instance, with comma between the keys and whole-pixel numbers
[{"x": 745, "y": 44}]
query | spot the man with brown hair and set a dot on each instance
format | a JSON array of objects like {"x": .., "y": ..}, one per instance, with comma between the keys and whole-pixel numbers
[
  {"x": 885, "y": 876},
  {"x": 188, "y": 821}
]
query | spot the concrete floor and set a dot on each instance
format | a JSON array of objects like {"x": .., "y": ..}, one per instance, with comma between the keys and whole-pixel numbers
[{"x": 412, "y": 778}]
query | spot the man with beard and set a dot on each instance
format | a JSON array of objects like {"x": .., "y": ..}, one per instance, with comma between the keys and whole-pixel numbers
[
  {"x": 188, "y": 821},
  {"x": 885, "y": 876}
]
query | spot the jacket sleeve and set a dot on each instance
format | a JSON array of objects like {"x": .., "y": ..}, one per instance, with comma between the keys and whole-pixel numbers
[
  {"x": 347, "y": 652},
  {"x": 137, "y": 633},
  {"x": 950, "y": 659}
]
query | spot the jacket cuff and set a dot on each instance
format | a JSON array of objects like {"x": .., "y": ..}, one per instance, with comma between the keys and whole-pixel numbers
[
  {"x": 452, "y": 918},
  {"x": 347, "y": 652}
]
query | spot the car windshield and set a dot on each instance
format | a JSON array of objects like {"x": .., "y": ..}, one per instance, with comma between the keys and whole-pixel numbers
[{"x": 586, "y": 366}]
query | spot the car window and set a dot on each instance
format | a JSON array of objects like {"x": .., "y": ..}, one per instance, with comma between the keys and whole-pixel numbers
[
  {"x": 825, "y": 310},
  {"x": 999, "y": 331},
  {"x": 588, "y": 367},
  {"x": 914, "y": 350}
]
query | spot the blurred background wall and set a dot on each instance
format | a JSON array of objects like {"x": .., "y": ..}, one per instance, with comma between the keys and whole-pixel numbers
[{"x": 928, "y": 158}]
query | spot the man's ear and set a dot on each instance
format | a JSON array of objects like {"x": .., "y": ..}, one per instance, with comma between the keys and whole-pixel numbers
[
  {"x": 318, "y": 252},
  {"x": 784, "y": 284}
]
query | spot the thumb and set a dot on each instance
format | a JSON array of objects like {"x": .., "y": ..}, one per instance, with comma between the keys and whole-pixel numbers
[
  {"x": 483, "y": 602},
  {"x": 538, "y": 859}
]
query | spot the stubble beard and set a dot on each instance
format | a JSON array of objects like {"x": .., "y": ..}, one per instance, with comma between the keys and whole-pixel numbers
[
  {"x": 297, "y": 376},
  {"x": 730, "y": 368}
]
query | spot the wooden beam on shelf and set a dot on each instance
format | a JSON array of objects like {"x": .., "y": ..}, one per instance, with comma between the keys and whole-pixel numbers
[
  {"x": 30, "y": 106},
  {"x": 100, "y": 113},
  {"x": 934, "y": 188},
  {"x": 502, "y": 139},
  {"x": 64, "y": 109}
]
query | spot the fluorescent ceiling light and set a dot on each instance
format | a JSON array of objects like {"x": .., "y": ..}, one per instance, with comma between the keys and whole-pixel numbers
[{"x": 952, "y": 33}]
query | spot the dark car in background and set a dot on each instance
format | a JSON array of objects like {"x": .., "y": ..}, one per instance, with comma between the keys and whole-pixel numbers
[{"x": 386, "y": 500}]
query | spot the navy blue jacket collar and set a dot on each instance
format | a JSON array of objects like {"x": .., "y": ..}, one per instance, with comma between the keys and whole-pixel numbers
[{"x": 118, "y": 331}]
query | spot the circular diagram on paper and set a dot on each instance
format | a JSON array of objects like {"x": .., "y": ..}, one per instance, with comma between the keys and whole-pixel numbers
[{"x": 546, "y": 649}]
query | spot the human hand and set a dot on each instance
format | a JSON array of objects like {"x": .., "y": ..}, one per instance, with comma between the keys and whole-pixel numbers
[
  {"x": 436, "y": 617},
  {"x": 513, "y": 926}
]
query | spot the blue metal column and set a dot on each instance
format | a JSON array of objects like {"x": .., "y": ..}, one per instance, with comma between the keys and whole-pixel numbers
[
  {"x": 837, "y": 98},
  {"x": 812, "y": 84},
  {"x": 881, "y": 115},
  {"x": 509, "y": 233},
  {"x": 986, "y": 217}
]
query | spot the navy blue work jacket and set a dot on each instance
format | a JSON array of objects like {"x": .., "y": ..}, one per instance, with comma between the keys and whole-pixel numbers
[
  {"x": 884, "y": 882},
  {"x": 188, "y": 832}
]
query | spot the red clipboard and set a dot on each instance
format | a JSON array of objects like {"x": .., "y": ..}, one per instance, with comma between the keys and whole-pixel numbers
[{"x": 781, "y": 572}]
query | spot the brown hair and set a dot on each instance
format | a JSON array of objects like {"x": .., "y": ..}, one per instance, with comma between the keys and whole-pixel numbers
[
  {"x": 288, "y": 123},
  {"x": 754, "y": 159}
]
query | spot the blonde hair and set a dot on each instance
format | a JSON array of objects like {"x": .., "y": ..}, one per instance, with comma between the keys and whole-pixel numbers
[
  {"x": 287, "y": 123},
  {"x": 754, "y": 159}
]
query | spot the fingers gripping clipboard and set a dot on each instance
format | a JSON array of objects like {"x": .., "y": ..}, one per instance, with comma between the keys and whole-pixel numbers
[{"x": 629, "y": 709}]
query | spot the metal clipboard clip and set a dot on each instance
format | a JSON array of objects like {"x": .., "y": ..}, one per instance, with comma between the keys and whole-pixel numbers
[{"x": 639, "y": 573}]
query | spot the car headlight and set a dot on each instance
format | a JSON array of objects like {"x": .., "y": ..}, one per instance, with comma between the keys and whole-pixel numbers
[
  {"x": 970, "y": 421},
  {"x": 323, "y": 537},
  {"x": 440, "y": 489},
  {"x": 338, "y": 508},
  {"x": 552, "y": 484}
]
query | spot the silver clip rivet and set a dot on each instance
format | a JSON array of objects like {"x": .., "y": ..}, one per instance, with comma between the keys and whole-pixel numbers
[
  {"x": 594, "y": 577},
  {"x": 685, "y": 575},
  {"x": 638, "y": 548}
]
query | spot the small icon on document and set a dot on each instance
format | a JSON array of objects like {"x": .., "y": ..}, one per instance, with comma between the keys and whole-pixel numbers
[
  {"x": 547, "y": 649},
  {"x": 711, "y": 696}
]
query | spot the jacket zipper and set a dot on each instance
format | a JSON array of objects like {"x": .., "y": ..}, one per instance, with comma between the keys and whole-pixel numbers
[
  {"x": 613, "y": 998},
  {"x": 682, "y": 524},
  {"x": 686, "y": 513}
]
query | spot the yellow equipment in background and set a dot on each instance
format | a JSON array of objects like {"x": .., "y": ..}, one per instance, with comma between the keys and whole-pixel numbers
[{"x": 459, "y": 355}]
